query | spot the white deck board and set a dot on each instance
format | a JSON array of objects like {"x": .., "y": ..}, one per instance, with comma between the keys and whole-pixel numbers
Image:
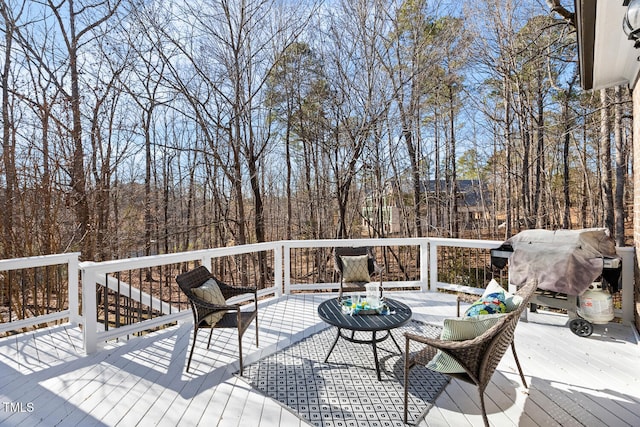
[{"x": 573, "y": 381}]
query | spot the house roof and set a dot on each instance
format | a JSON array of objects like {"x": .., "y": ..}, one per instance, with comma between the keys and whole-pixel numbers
[
  {"x": 472, "y": 191},
  {"x": 607, "y": 58}
]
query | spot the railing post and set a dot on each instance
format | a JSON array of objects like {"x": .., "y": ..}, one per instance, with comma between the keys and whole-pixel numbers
[
  {"x": 286, "y": 249},
  {"x": 628, "y": 259},
  {"x": 90, "y": 311},
  {"x": 206, "y": 261},
  {"x": 433, "y": 266},
  {"x": 277, "y": 269},
  {"x": 73, "y": 266},
  {"x": 424, "y": 266}
]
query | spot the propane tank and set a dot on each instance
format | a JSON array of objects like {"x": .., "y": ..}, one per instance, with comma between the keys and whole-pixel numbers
[{"x": 596, "y": 304}]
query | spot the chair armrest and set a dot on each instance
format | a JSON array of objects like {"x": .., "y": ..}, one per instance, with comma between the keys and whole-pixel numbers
[
  {"x": 439, "y": 343},
  {"x": 233, "y": 291},
  {"x": 433, "y": 342},
  {"x": 470, "y": 298},
  {"x": 216, "y": 307},
  {"x": 453, "y": 344},
  {"x": 467, "y": 353},
  {"x": 465, "y": 297}
]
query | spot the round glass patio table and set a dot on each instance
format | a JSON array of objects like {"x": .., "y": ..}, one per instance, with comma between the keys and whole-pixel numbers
[{"x": 331, "y": 312}]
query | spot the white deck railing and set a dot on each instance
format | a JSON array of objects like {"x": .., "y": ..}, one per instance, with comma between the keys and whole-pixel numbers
[
  {"x": 94, "y": 273},
  {"x": 421, "y": 243},
  {"x": 72, "y": 312},
  {"x": 96, "y": 276}
]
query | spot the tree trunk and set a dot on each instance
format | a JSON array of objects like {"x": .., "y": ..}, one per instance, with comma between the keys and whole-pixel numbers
[
  {"x": 453, "y": 185},
  {"x": 567, "y": 124},
  {"x": 620, "y": 169},
  {"x": 435, "y": 201},
  {"x": 288, "y": 233},
  {"x": 415, "y": 176},
  {"x": 146, "y": 126},
  {"x": 78, "y": 178},
  {"x": 508, "y": 174},
  {"x": 539, "y": 207},
  {"x": 8, "y": 149},
  {"x": 585, "y": 188},
  {"x": 605, "y": 162}
]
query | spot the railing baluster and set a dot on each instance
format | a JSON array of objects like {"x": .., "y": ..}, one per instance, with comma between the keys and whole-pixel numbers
[
  {"x": 105, "y": 303},
  {"x": 11, "y": 274},
  {"x": 138, "y": 302},
  {"x": 117, "y": 300}
]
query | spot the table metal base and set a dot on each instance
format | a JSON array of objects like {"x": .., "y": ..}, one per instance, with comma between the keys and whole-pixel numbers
[{"x": 373, "y": 341}]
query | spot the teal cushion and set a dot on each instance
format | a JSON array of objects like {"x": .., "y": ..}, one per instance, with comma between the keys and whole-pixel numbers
[
  {"x": 512, "y": 301},
  {"x": 490, "y": 304}
]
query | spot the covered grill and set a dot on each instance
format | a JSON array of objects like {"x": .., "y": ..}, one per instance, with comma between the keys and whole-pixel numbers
[{"x": 565, "y": 263}]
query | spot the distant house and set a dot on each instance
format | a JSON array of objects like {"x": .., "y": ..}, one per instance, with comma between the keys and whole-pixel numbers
[
  {"x": 473, "y": 200},
  {"x": 386, "y": 217}
]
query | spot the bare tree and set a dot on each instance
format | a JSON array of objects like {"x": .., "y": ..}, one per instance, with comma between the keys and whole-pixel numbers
[
  {"x": 255, "y": 121},
  {"x": 359, "y": 98},
  {"x": 606, "y": 177},
  {"x": 568, "y": 125},
  {"x": 557, "y": 7},
  {"x": 620, "y": 168},
  {"x": 407, "y": 63},
  {"x": 8, "y": 147},
  {"x": 76, "y": 21},
  {"x": 293, "y": 96}
]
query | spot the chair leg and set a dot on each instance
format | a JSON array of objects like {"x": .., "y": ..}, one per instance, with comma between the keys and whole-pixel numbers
[
  {"x": 240, "y": 351},
  {"x": 193, "y": 345},
  {"x": 209, "y": 341},
  {"x": 257, "y": 345},
  {"x": 515, "y": 356},
  {"x": 406, "y": 379},
  {"x": 484, "y": 410}
]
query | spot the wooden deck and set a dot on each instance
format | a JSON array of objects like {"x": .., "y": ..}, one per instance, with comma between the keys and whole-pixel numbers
[{"x": 46, "y": 380}]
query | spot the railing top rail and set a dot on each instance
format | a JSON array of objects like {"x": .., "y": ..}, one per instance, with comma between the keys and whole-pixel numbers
[
  {"x": 490, "y": 244},
  {"x": 153, "y": 260},
  {"x": 38, "y": 261},
  {"x": 465, "y": 243},
  {"x": 329, "y": 243}
]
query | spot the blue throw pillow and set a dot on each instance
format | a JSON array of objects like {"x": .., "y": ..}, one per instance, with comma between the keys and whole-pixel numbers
[{"x": 490, "y": 304}]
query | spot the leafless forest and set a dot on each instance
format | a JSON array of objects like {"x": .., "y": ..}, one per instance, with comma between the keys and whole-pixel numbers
[{"x": 134, "y": 127}]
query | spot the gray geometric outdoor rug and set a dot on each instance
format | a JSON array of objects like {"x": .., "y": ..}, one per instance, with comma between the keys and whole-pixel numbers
[{"x": 345, "y": 391}]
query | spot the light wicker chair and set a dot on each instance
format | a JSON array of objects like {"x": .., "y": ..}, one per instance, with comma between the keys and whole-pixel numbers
[
  {"x": 478, "y": 356},
  {"x": 233, "y": 317}
]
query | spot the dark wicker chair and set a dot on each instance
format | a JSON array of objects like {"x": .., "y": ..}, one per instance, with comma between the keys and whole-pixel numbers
[
  {"x": 373, "y": 267},
  {"x": 479, "y": 356},
  {"x": 234, "y": 317}
]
